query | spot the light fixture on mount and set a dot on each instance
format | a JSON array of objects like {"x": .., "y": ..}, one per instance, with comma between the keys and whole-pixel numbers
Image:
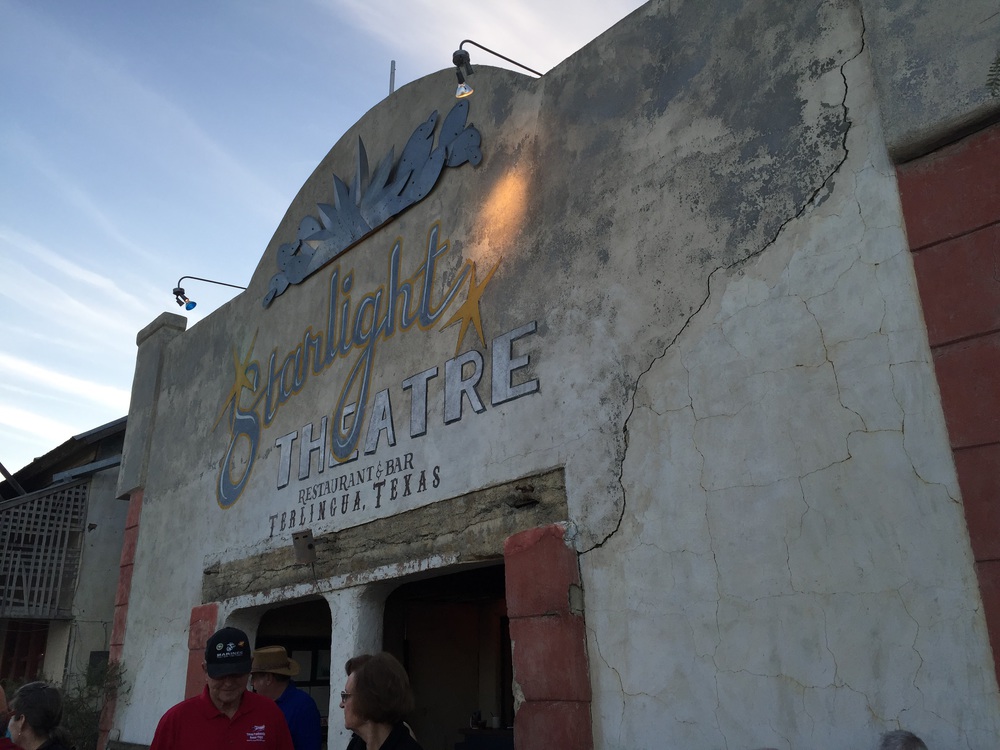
[
  {"x": 189, "y": 304},
  {"x": 463, "y": 67}
]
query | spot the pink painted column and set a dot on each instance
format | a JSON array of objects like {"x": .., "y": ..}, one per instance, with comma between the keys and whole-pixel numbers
[
  {"x": 122, "y": 595},
  {"x": 203, "y": 623},
  {"x": 549, "y": 642},
  {"x": 951, "y": 204}
]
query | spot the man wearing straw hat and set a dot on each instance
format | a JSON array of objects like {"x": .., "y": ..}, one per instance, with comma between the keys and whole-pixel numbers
[{"x": 271, "y": 675}]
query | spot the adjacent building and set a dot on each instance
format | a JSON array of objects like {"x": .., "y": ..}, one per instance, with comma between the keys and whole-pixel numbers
[{"x": 61, "y": 528}]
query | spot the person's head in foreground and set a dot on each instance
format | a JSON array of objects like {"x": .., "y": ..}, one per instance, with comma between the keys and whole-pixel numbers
[
  {"x": 271, "y": 671},
  {"x": 35, "y": 712},
  {"x": 901, "y": 740},
  {"x": 376, "y": 697},
  {"x": 227, "y": 667}
]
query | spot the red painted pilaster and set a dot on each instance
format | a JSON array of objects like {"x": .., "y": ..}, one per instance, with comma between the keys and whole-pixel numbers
[
  {"x": 951, "y": 204},
  {"x": 122, "y": 595},
  {"x": 549, "y": 642},
  {"x": 203, "y": 623}
]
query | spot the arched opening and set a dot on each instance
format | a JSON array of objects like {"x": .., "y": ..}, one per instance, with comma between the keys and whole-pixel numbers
[
  {"x": 452, "y": 634},
  {"x": 304, "y": 629}
]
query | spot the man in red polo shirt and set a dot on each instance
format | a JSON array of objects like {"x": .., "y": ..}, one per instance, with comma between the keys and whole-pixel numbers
[{"x": 225, "y": 715}]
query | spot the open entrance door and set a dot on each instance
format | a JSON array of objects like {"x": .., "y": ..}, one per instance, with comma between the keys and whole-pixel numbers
[
  {"x": 452, "y": 635},
  {"x": 304, "y": 629}
]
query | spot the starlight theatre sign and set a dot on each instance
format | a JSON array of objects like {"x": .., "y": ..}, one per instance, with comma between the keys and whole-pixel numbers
[{"x": 320, "y": 456}]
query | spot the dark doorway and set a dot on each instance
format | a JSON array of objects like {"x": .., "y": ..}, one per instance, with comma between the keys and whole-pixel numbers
[
  {"x": 452, "y": 635},
  {"x": 304, "y": 629},
  {"x": 23, "y": 649}
]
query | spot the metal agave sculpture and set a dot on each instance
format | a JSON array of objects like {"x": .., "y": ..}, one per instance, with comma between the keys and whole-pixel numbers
[
  {"x": 372, "y": 200},
  {"x": 993, "y": 77}
]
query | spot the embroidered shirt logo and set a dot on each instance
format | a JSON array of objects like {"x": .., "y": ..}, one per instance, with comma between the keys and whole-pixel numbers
[{"x": 257, "y": 733}]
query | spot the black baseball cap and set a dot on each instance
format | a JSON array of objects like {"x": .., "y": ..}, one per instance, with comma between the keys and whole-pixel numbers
[{"x": 227, "y": 653}]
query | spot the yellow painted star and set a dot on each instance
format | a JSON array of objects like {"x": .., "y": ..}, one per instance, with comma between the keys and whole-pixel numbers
[
  {"x": 468, "y": 313},
  {"x": 240, "y": 380}
]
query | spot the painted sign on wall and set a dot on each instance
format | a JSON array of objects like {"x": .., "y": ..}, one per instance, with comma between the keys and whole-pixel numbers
[{"x": 362, "y": 420}]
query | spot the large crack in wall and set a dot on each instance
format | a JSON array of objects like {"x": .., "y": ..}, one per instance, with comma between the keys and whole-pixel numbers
[
  {"x": 789, "y": 547},
  {"x": 818, "y": 196}
]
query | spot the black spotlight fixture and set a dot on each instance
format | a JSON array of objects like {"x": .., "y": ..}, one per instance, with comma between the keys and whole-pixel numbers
[
  {"x": 182, "y": 300},
  {"x": 189, "y": 304},
  {"x": 461, "y": 60},
  {"x": 463, "y": 67}
]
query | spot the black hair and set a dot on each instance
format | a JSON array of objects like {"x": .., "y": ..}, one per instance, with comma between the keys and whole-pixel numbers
[{"x": 41, "y": 706}]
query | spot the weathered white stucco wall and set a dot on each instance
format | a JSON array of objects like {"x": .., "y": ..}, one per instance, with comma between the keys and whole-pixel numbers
[
  {"x": 694, "y": 224},
  {"x": 931, "y": 61},
  {"x": 792, "y": 568}
]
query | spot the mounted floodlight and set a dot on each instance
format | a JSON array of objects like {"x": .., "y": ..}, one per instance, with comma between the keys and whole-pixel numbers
[
  {"x": 463, "y": 67},
  {"x": 189, "y": 304},
  {"x": 182, "y": 300},
  {"x": 461, "y": 61}
]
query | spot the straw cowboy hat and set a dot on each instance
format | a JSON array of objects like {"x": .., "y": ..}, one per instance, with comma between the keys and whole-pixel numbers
[{"x": 274, "y": 659}]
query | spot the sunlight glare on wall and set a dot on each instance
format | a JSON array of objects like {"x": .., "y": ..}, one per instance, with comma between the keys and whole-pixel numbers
[{"x": 501, "y": 218}]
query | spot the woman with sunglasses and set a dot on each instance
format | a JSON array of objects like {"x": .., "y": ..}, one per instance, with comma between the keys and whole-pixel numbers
[
  {"x": 35, "y": 713},
  {"x": 375, "y": 699}
]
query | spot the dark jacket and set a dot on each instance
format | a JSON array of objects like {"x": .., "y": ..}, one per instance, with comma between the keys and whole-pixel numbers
[{"x": 399, "y": 739}]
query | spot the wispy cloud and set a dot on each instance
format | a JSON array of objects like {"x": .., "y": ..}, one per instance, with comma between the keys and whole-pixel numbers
[
  {"x": 15, "y": 245},
  {"x": 36, "y": 378},
  {"x": 540, "y": 35},
  {"x": 45, "y": 429},
  {"x": 29, "y": 149},
  {"x": 61, "y": 299},
  {"x": 152, "y": 122}
]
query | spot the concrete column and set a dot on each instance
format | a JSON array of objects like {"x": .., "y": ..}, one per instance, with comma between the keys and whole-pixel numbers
[
  {"x": 152, "y": 342},
  {"x": 357, "y": 629}
]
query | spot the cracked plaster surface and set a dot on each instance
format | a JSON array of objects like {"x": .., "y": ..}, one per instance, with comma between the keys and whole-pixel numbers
[
  {"x": 735, "y": 378},
  {"x": 792, "y": 568}
]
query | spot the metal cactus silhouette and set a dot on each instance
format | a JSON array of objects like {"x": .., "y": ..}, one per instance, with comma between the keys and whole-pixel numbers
[{"x": 372, "y": 200}]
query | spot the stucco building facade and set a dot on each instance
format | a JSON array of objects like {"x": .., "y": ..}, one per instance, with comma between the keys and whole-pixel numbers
[{"x": 610, "y": 401}]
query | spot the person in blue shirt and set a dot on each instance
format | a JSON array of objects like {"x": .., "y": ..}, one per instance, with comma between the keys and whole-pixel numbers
[{"x": 271, "y": 675}]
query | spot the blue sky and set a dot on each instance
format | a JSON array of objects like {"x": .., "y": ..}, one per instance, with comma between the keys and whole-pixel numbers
[{"x": 142, "y": 141}]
